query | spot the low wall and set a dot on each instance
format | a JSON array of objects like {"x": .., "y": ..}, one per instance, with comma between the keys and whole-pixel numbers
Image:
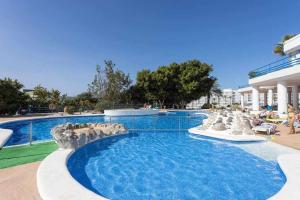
[{"x": 130, "y": 112}]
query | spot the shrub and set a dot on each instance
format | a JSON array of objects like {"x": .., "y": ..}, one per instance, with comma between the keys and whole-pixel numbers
[
  {"x": 206, "y": 106},
  {"x": 11, "y": 97},
  {"x": 252, "y": 74},
  {"x": 69, "y": 109},
  {"x": 102, "y": 105}
]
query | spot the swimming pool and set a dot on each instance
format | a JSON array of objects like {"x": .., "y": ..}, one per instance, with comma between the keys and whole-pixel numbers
[
  {"x": 41, "y": 127},
  {"x": 172, "y": 165}
]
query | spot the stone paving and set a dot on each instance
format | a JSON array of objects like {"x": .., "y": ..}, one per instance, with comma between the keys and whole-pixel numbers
[{"x": 19, "y": 183}]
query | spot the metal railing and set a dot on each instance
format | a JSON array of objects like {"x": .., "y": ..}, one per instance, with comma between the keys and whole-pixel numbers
[
  {"x": 244, "y": 86},
  {"x": 155, "y": 123},
  {"x": 274, "y": 66},
  {"x": 30, "y": 133}
]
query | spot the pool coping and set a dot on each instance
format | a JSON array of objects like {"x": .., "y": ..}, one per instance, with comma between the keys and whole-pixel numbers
[
  {"x": 131, "y": 112},
  {"x": 290, "y": 165},
  {"x": 224, "y": 135},
  {"x": 49, "y": 116},
  {"x": 5, "y": 134},
  {"x": 53, "y": 169},
  {"x": 55, "y": 182}
]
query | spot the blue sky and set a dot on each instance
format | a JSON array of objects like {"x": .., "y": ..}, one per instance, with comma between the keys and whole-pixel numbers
[{"x": 57, "y": 43}]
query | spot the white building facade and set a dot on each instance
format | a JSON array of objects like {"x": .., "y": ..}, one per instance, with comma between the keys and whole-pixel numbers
[
  {"x": 227, "y": 98},
  {"x": 276, "y": 85}
]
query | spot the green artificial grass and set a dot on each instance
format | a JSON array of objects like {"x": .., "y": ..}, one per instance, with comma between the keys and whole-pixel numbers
[{"x": 14, "y": 156}]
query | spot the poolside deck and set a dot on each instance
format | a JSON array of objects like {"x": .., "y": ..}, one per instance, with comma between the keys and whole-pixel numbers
[
  {"x": 19, "y": 183},
  {"x": 286, "y": 139}
]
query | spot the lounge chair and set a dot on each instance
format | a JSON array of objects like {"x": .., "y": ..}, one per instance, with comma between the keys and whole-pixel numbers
[
  {"x": 296, "y": 124},
  {"x": 276, "y": 121},
  {"x": 265, "y": 127}
]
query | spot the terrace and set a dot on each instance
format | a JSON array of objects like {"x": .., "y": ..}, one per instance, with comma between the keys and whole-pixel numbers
[
  {"x": 274, "y": 66},
  {"x": 280, "y": 77}
]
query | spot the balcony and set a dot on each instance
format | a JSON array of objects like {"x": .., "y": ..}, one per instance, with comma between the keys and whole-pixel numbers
[{"x": 274, "y": 66}]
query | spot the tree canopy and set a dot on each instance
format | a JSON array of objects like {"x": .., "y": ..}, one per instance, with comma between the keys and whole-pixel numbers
[
  {"x": 11, "y": 97},
  {"x": 110, "y": 85},
  {"x": 176, "y": 83}
]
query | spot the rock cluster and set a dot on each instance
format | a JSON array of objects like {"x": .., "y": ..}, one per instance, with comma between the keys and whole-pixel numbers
[
  {"x": 219, "y": 126},
  {"x": 237, "y": 122},
  {"x": 72, "y": 136}
]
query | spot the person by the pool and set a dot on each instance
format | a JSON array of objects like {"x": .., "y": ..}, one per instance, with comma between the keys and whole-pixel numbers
[{"x": 291, "y": 118}]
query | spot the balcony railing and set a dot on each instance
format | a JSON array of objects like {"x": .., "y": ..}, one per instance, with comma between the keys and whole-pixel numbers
[
  {"x": 244, "y": 86},
  {"x": 275, "y": 66}
]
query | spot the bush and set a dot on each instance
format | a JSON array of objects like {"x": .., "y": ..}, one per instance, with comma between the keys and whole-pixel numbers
[
  {"x": 252, "y": 74},
  {"x": 11, "y": 97},
  {"x": 206, "y": 106},
  {"x": 69, "y": 109},
  {"x": 102, "y": 105}
]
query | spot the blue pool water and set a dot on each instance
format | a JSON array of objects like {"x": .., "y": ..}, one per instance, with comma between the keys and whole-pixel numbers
[
  {"x": 159, "y": 160},
  {"x": 41, "y": 127},
  {"x": 172, "y": 165}
]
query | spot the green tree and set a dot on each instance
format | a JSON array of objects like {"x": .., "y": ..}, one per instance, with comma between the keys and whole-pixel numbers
[
  {"x": 145, "y": 84},
  {"x": 98, "y": 87},
  {"x": 117, "y": 82},
  {"x": 279, "y": 47},
  {"x": 164, "y": 82},
  {"x": 195, "y": 80},
  {"x": 41, "y": 96},
  {"x": 110, "y": 84},
  {"x": 176, "y": 83},
  {"x": 85, "y": 101},
  {"x": 54, "y": 99},
  {"x": 11, "y": 97},
  {"x": 62, "y": 100},
  {"x": 135, "y": 95}
]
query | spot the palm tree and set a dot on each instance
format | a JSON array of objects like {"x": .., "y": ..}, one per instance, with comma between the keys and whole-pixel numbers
[{"x": 279, "y": 47}]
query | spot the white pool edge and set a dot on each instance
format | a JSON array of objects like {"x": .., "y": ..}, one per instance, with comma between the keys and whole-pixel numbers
[
  {"x": 289, "y": 163},
  {"x": 55, "y": 182},
  {"x": 5, "y": 134},
  {"x": 225, "y": 135},
  {"x": 130, "y": 112},
  {"x": 290, "y": 166},
  {"x": 48, "y": 116},
  {"x": 53, "y": 169}
]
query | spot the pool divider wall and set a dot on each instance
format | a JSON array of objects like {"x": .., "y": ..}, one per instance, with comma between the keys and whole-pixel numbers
[{"x": 130, "y": 112}]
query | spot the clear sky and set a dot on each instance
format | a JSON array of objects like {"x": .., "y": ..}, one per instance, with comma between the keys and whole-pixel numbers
[{"x": 58, "y": 43}]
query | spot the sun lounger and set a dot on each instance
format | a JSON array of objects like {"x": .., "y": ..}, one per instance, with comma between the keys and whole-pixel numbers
[
  {"x": 265, "y": 127},
  {"x": 276, "y": 121}
]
